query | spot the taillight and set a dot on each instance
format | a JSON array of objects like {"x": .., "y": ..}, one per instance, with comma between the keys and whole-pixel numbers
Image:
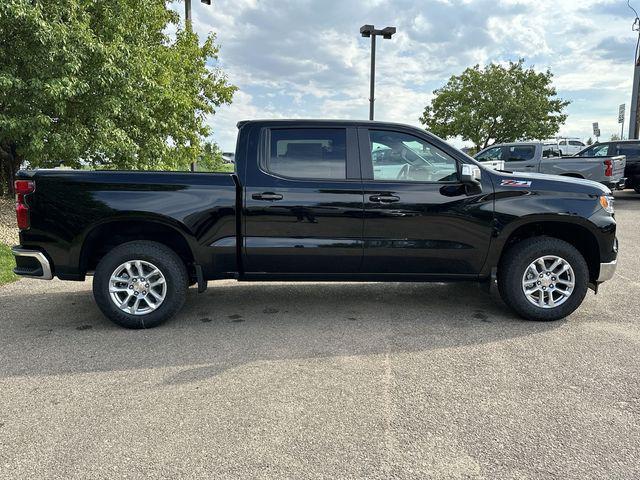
[
  {"x": 22, "y": 188},
  {"x": 608, "y": 168}
]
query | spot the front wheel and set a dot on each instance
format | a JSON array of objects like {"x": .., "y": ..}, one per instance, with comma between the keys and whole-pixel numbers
[
  {"x": 140, "y": 284},
  {"x": 543, "y": 278}
]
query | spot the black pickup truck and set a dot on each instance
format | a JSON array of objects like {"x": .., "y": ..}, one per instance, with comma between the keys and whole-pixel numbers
[
  {"x": 318, "y": 200},
  {"x": 629, "y": 148}
]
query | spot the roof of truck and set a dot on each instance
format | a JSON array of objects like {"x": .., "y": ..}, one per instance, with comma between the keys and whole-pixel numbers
[{"x": 318, "y": 121}]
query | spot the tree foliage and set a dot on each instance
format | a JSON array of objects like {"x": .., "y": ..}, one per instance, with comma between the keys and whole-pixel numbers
[
  {"x": 211, "y": 160},
  {"x": 496, "y": 104},
  {"x": 102, "y": 84}
]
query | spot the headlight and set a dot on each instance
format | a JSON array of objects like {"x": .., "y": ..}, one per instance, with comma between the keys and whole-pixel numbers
[{"x": 606, "y": 201}]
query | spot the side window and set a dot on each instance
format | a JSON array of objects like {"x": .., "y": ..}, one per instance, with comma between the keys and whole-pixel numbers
[
  {"x": 520, "y": 153},
  {"x": 563, "y": 142},
  {"x": 319, "y": 153},
  {"x": 549, "y": 151},
  {"x": 600, "y": 151},
  {"x": 631, "y": 150},
  {"x": 490, "y": 155},
  {"x": 576, "y": 143},
  {"x": 402, "y": 157}
]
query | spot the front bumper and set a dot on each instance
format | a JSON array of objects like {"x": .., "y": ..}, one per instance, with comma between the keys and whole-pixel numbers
[
  {"x": 31, "y": 264},
  {"x": 607, "y": 270}
]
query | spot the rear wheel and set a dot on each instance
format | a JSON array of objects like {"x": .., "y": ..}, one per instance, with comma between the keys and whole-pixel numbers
[
  {"x": 637, "y": 188},
  {"x": 140, "y": 284},
  {"x": 543, "y": 278}
]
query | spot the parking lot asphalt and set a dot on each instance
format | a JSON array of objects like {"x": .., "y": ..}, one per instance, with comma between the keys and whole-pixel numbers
[{"x": 309, "y": 380}]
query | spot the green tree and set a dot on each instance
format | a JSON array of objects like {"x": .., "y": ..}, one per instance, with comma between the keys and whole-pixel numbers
[
  {"x": 211, "y": 159},
  {"x": 590, "y": 141},
  {"x": 615, "y": 137},
  {"x": 496, "y": 104},
  {"x": 102, "y": 84}
]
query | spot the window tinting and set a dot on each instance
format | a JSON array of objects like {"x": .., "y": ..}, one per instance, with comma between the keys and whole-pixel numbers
[
  {"x": 598, "y": 150},
  {"x": 629, "y": 149},
  {"x": 492, "y": 154},
  {"x": 520, "y": 153},
  {"x": 402, "y": 157},
  {"x": 576, "y": 143},
  {"x": 308, "y": 153}
]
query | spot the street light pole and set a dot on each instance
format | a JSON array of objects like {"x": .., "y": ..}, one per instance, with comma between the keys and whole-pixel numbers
[
  {"x": 370, "y": 31},
  {"x": 634, "y": 113},
  {"x": 187, "y": 13},
  {"x": 372, "y": 86}
]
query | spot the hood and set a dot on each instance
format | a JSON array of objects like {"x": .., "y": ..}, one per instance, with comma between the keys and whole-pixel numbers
[{"x": 541, "y": 181}]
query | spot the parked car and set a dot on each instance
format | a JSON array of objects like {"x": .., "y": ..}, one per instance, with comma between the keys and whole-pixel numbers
[
  {"x": 318, "y": 200},
  {"x": 629, "y": 148},
  {"x": 567, "y": 146},
  {"x": 545, "y": 158}
]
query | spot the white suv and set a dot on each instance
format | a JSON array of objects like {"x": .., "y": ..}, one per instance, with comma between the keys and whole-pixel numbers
[{"x": 568, "y": 146}]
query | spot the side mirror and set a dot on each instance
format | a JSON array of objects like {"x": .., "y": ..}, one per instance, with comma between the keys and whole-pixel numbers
[{"x": 470, "y": 174}]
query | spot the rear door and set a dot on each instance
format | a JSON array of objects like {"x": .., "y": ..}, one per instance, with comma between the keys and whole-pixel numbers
[
  {"x": 632, "y": 151},
  {"x": 419, "y": 218},
  {"x": 303, "y": 202},
  {"x": 522, "y": 157}
]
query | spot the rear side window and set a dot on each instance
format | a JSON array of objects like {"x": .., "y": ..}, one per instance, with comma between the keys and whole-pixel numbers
[
  {"x": 598, "y": 150},
  {"x": 629, "y": 149},
  {"x": 319, "y": 153},
  {"x": 549, "y": 151},
  {"x": 576, "y": 143},
  {"x": 520, "y": 153}
]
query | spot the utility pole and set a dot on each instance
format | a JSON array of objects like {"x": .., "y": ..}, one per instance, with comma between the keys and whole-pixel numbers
[
  {"x": 188, "y": 25},
  {"x": 634, "y": 121},
  {"x": 370, "y": 31}
]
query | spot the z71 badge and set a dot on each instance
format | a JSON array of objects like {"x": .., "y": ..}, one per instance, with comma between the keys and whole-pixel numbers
[{"x": 515, "y": 183}]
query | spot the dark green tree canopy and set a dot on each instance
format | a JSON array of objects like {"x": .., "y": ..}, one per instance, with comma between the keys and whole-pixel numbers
[
  {"x": 496, "y": 104},
  {"x": 102, "y": 84}
]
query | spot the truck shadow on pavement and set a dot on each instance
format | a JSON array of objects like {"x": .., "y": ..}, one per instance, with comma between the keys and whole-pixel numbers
[{"x": 236, "y": 324}]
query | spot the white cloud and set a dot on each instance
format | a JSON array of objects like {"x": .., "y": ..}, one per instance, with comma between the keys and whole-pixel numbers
[{"x": 293, "y": 58}]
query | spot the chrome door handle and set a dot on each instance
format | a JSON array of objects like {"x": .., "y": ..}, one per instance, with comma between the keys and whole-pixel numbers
[
  {"x": 270, "y": 196},
  {"x": 384, "y": 198}
]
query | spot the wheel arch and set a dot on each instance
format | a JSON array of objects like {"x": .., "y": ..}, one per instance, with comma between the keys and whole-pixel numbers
[
  {"x": 576, "y": 234},
  {"x": 117, "y": 231}
]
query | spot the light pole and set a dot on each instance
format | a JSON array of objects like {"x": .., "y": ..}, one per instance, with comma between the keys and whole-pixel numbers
[
  {"x": 187, "y": 11},
  {"x": 634, "y": 113},
  {"x": 370, "y": 31},
  {"x": 187, "y": 23}
]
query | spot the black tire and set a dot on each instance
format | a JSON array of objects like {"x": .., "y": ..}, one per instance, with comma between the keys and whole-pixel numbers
[
  {"x": 514, "y": 265},
  {"x": 162, "y": 257},
  {"x": 636, "y": 188}
]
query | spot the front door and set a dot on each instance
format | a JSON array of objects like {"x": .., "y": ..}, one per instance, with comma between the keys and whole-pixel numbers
[
  {"x": 303, "y": 205},
  {"x": 419, "y": 218}
]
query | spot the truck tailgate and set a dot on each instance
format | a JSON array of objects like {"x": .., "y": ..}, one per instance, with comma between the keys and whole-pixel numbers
[{"x": 619, "y": 163}]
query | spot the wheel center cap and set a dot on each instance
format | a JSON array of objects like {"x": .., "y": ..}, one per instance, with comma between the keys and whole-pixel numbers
[{"x": 546, "y": 281}]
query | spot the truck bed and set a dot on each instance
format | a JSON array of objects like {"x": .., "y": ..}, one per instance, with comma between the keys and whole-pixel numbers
[
  {"x": 69, "y": 206},
  {"x": 589, "y": 168}
]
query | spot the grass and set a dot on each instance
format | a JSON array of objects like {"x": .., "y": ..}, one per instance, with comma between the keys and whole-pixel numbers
[{"x": 6, "y": 265}]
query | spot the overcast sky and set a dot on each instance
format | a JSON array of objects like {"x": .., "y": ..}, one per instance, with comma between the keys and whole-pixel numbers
[{"x": 305, "y": 58}]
